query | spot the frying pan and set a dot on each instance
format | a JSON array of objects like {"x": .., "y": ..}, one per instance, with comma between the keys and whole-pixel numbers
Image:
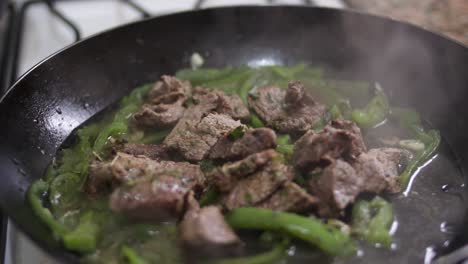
[{"x": 417, "y": 68}]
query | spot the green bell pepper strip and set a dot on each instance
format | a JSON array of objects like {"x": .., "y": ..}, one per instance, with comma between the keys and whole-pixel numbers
[
  {"x": 209, "y": 197},
  {"x": 374, "y": 113},
  {"x": 273, "y": 256},
  {"x": 255, "y": 121},
  {"x": 132, "y": 256},
  {"x": 200, "y": 76},
  {"x": 411, "y": 121},
  {"x": 331, "y": 240},
  {"x": 35, "y": 193},
  {"x": 431, "y": 142},
  {"x": 335, "y": 112},
  {"x": 84, "y": 237},
  {"x": 154, "y": 137},
  {"x": 371, "y": 220},
  {"x": 287, "y": 73},
  {"x": 119, "y": 124},
  {"x": 284, "y": 145}
]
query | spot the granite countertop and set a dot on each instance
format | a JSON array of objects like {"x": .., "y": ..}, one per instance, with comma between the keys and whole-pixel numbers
[{"x": 446, "y": 16}]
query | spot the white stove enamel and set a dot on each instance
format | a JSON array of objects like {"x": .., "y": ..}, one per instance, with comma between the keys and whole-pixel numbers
[{"x": 45, "y": 34}]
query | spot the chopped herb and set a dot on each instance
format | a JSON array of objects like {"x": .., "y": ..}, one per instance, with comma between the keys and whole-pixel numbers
[
  {"x": 255, "y": 121},
  {"x": 237, "y": 133}
]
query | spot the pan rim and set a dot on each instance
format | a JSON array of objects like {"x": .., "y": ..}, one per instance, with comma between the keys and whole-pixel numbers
[{"x": 353, "y": 12}]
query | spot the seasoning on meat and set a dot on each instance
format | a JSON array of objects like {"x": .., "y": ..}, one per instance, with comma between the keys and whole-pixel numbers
[
  {"x": 250, "y": 181},
  {"x": 252, "y": 141},
  {"x": 200, "y": 128},
  {"x": 258, "y": 186},
  {"x": 336, "y": 187},
  {"x": 125, "y": 168},
  {"x": 204, "y": 229},
  {"x": 291, "y": 198},
  {"x": 159, "y": 198},
  {"x": 380, "y": 169},
  {"x": 154, "y": 152},
  {"x": 165, "y": 103},
  {"x": 339, "y": 139},
  {"x": 193, "y": 138},
  {"x": 231, "y": 105},
  {"x": 226, "y": 176},
  {"x": 341, "y": 182},
  {"x": 289, "y": 111}
]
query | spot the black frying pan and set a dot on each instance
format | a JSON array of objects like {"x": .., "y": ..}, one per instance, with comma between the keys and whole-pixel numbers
[{"x": 416, "y": 67}]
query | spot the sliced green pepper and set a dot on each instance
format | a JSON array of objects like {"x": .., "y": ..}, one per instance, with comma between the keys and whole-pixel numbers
[
  {"x": 209, "y": 197},
  {"x": 37, "y": 190},
  {"x": 431, "y": 141},
  {"x": 273, "y": 256},
  {"x": 371, "y": 220},
  {"x": 329, "y": 239},
  {"x": 374, "y": 113},
  {"x": 255, "y": 121},
  {"x": 132, "y": 256},
  {"x": 84, "y": 237},
  {"x": 284, "y": 145}
]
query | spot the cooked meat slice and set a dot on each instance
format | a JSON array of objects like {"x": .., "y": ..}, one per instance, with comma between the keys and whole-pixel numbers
[
  {"x": 267, "y": 103},
  {"x": 357, "y": 145},
  {"x": 204, "y": 123},
  {"x": 230, "y": 105},
  {"x": 204, "y": 229},
  {"x": 257, "y": 187},
  {"x": 339, "y": 139},
  {"x": 165, "y": 104},
  {"x": 124, "y": 168},
  {"x": 379, "y": 169},
  {"x": 374, "y": 171},
  {"x": 161, "y": 115},
  {"x": 186, "y": 126},
  {"x": 226, "y": 177},
  {"x": 154, "y": 152},
  {"x": 168, "y": 85},
  {"x": 291, "y": 198},
  {"x": 253, "y": 141},
  {"x": 289, "y": 111},
  {"x": 159, "y": 198},
  {"x": 193, "y": 139},
  {"x": 336, "y": 187}
]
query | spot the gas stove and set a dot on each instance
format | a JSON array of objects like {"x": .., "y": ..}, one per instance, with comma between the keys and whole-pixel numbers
[{"x": 35, "y": 29}]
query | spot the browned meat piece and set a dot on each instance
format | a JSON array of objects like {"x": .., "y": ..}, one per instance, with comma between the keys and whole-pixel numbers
[
  {"x": 289, "y": 111},
  {"x": 339, "y": 139},
  {"x": 374, "y": 171},
  {"x": 253, "y": 141},
  {"x": 159, "y": 198},
  {"x": 203, "y": 124},
  {"x": 336, "y": 187},
  {"x": 125, "y": 168},
  {"x": 379, "y": 169},
  {"x": 258, "y": 186},
  {"x": 165, "y": 104},
  {"x": 291, "y": 198},
  {"x": 204, "y": 229},
  {"x": 230, "y": 105},
  {"x": 154, "y": 152},
  {"x": 226, "y": 177},
  {"x": 193, "y": 140}
]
